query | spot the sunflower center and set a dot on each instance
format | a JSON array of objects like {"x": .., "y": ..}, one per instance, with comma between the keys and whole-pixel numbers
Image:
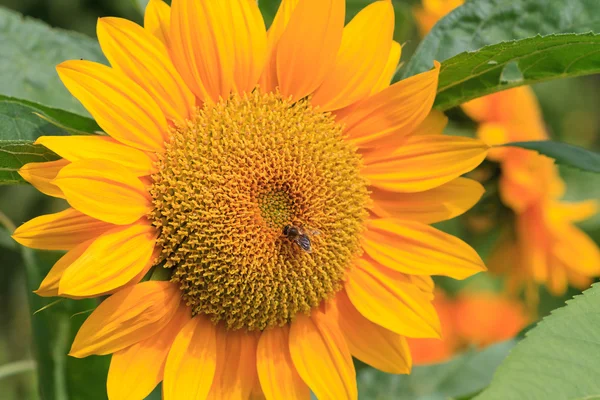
[{"x": 232, "y": 180}]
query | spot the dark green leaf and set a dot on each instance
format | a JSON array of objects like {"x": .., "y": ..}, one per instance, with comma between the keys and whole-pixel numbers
[
  {"x": 72, "y": 123},
  {"x": 19, "y": 128},
  {"x": 16, "y": 153},
  {"x": 463, "y": 375},
  {"x": 510, "y": 64},
  {"x": 558, "y": 359},
  {"x": 30, "y": 52},
  {"x": 479, "y": 23},
  {"x": 563, "y": 153}
]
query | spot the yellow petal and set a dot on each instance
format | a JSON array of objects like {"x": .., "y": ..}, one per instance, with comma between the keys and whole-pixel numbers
[
  {"x": 127, "y": 317},
  {"x": 419, "y": 249},
  {"x": 104, "y": 190},
  {"x": 157, "y": 20},
  {"x": 140, "y": 56},
  {"x": 49, "y": 286},
  {"x": 307, "y": 51},
  {"x": 371, "y": 343},
  {"x": 236, "y": 374},
  {"x": 60, "y": 231},
  {"x": 76, "y": 148},
  {"x": 192, "y": 361},
  {"x": 390, "y": 68},
  {"x": 424, "y": 162},
  {"x": 278, "y": 376},
  {"x": 137, "y": 369},
  {"x": 574, "y": 212},
  {"x": 121, "y": 108},
  {"x": 398, "y": 110},
  {"x": 218, "y": 46},
  {"x": 40, "y": 175},
  {"x": 389, "y": 299},
  {"x": 434, "y": 205},
  {"x": 112, "y": 260},
  {"x": 268, "y": 79},
  {"x": 434, "y": 124},
  {"x": 363, "y": 54},
  {"x": 322, "y": 358},
  {"x": 573, "y": 241}
]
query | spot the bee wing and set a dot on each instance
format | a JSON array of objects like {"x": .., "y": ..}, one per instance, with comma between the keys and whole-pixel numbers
[{"x": 304, "y": 243}]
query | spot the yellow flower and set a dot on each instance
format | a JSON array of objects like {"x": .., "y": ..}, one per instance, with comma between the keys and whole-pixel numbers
[
  {"x": 541, "y": 247},
  {"x": 431, "y": 11},
  {"x": 221, "y": 138}
]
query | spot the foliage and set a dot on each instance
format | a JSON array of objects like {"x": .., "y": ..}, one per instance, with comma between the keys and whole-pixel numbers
[
  {"x": 463, "y": 375},
  {"x": 564, "y": 154},
  {"x": 558, "y": 359}
]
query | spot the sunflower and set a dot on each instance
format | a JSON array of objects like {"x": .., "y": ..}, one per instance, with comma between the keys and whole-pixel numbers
[
  {"x": 539, "y": 247},
  {"x": 258, "y": 210},
  {"x": 497, "y": 318}
]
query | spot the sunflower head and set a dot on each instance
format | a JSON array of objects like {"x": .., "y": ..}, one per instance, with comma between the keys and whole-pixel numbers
[{"x": 230, "y": 180}]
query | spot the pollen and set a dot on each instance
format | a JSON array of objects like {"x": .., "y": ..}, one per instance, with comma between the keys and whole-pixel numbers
[{"x": 231, "y": 178}]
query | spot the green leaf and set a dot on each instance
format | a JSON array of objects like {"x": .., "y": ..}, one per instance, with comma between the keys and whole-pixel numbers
[
  {"x": 30, "y": 52},
  {"x": 523, "y": 62},
  {"x": 558, "y": 359},
  {"x": 461, "y": 376},
  {"x": 16, "y": 153},
  {"x": 20, "y": 126},
  {"x": 72, "y": 123},
  {"x": 479, "y": 23},
  {"x": 563, "y": 153}
]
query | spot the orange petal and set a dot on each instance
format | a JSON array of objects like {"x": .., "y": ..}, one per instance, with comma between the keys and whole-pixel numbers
[
  {"x": 137, "y": 369},
  {"x": 192, "y": 361},
  {"x": 218, "y": 46},
  {"x": 434, "y": 205},
  {"x": 278, "y": 376},
  {"x": 157, "y": 20},
  {"x": 60, "y": 231},
  {"x": 49, "y": 286},
  {"x": 122, "y": 109},
  {"x": 76, "y": 148},
  {"x": 127, "y": 317},
  {"x": 363, "y": 55},
  {"x": 268, "y": 80},
  {"x": 111, "y": 261},
  {"x": 104, "y": 190},
  {"x": 371, "y": 343},
  {"x": 236, "y": 375},
  {"x": 140, "y": 56},
  {"x": 390, "y": 68},
  {"x": 419, "y": 249},
  {"x": 399, "y": 109},
  {"x": 322, "y": 358},
  {"x": 423, "y": 162},
  {"x": 307, "y": 51},
  {"x": 40, "y": 175},
  {"x": 389, "y": 299}
]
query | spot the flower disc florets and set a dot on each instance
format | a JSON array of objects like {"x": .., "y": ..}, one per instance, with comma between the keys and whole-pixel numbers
[{"x": 230, "y": 180}]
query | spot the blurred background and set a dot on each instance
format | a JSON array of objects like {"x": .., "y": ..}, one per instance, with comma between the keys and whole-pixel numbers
[{"x": 570, "y": 108}]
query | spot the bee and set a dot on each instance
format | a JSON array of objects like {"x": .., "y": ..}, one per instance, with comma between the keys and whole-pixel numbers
[{"x": 297, "y": 234}]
